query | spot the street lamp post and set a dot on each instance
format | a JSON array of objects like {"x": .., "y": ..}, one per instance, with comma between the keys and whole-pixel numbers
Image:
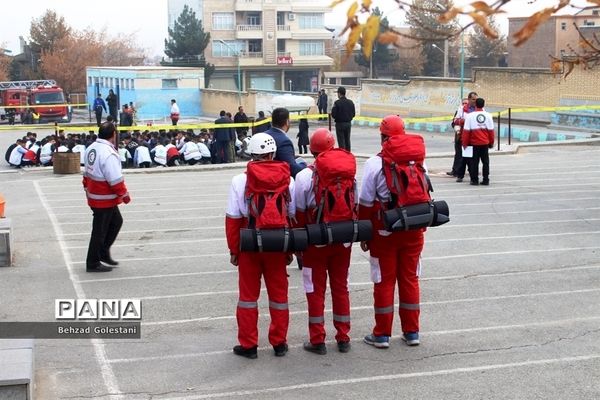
[
  {"x": 445, "y": 51},
  {"x": 239, "y": 75},
  {"x": 462, "y": 63}
]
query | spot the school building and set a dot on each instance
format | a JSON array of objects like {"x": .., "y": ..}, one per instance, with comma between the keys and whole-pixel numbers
[{"x": 150, "y": 88}]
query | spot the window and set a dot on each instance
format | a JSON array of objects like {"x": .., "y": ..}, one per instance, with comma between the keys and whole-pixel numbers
[
  {"x": 222, "y": 21},
  {"x": 90, "y": 81},
  {"x": 563, "y": 26},
  {"x": 280, "y": 18},
  {"x": 253, "y": 19},
  {"x": 595, "y": 12},
  {"x": 169, "y": 83},
  {"x": 311, "y": 21},
  {"x": 254, "y": 46},
  {"x": 312, "y": 48},
  {"x": 227, "y": 48},
  {"x": 281, "y": 45},
  {"x": 132, "y": 84}
]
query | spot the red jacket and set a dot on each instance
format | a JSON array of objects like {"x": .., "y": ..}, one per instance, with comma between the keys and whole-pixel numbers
[
  {"x": 102, "y": 180},
  {"x": 478, "y": 129}
]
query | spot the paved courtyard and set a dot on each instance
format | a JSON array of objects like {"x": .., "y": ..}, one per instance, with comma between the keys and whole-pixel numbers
[{"x": 510, "y": 292}]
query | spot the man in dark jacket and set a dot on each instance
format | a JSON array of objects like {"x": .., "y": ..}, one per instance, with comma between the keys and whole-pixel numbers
[
  {"x": 113, "y": 104},
  {"x": 343, "y": 112},
  {"x": 322, "y": 103},
  {"x": 222, "y": 137},
  {"x": 239, "y": 118},
  {"x": 280, "y": 121},
  {"x": 261, "y": 127}
]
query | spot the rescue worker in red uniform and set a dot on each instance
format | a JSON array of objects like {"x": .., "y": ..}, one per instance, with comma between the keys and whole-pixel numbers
[
  {"x": 321, "y": 261},
  {"x": 105, "y": 189},
  {"x": 394, "y": 256},
  {"x": 253, "y": 265}
]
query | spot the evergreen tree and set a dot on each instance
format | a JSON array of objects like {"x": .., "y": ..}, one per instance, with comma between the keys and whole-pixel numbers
[
  {"x": 381, "y": 53},
  {"x": 484, "y": 51},
  {"x": 187, "y": 42},
  {"x": 422, "y": 18}
]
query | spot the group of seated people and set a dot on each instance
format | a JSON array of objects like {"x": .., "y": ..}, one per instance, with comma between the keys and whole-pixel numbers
[{"x": 136, "y": 149}]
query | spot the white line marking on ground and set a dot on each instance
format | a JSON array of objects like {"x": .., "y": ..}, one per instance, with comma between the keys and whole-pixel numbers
[
  {"x": 200, "y": 228},
  {"x": 175, "y": 257},
  {"x": 150, "y": 243},
  {"x": 175, "y": 202},
  {"x": 475, "y": 193},
  {"x": 424, "y": 333},
  {"x": 549, "y": 221},
  {"x": 389, "y": 377},
  {"x": 527, "y": 212},
  {"x": 146, "y": 211},
  {"x": 108, "y": 375},
  {"x": 154, "y": 197},
  {"x": 370, "y": 307},
  {"x": 498, "y": 203},
  {"x": 512, "y": 237},
  {"x": 128, "y": 220},
  {"x": 159, "y": 276},
  {"x": 514, "y": 182}
]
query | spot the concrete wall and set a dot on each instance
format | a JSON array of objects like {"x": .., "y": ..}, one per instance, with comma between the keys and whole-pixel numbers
[{"x": 501, "y": 87}]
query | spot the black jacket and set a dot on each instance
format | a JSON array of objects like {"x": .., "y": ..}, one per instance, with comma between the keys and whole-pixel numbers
[
  {"x": 343, "y": 110},
  {"x": 223, "y": 134}
]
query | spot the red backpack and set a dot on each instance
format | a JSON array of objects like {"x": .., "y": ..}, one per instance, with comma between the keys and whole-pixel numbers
[
  {"x": 334, "y": 186},
  {"x": 405, "y": 176},
  {"x": 267, "y": 194}
]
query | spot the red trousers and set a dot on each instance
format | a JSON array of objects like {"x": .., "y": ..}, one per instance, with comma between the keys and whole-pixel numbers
[
  {"x": 251, "y": 267},
  {"x": 332, "y": 260},
  {"x": 395, "y": 259}
]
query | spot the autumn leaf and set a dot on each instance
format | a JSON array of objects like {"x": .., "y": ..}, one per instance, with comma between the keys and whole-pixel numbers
[
  {"x": 532, "y": 24},
  {"x": 336, "y": 2},
  {"x": 388, "y": 37},
  {"x": 353, "y": 38},
  {"x": 369, "y": 34},
  {"x": 482, "y": 21},
  {"x": 352, "y": 10},
  {"x": 484, "y": 8},
  {"x": 366, "y": 5},
  {"x": 556, "y": 67},
  {"x": 449, "y": 15}
]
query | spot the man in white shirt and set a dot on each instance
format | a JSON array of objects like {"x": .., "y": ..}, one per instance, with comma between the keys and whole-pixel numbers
[{"x": 174, "y": 112}]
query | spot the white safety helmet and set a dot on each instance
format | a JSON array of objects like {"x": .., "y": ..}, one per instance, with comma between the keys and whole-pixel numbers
[{"x": 262, "y": 143}]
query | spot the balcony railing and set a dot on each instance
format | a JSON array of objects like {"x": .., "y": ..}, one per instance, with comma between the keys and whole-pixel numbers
[
  {"x": 247, "y": 28},
  {"x": 251, "y": 54},
  {"x": 284, "y": 54},
  {"x": 283, "y": 27}
]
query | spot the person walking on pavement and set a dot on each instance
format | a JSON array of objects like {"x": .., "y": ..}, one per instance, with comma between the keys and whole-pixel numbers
[
  {"x": 322, "y": 104},
  {"x": 105, "y": 189},
  {"x": 99, "y": 106},
  {"x": 342, "y": 113},
  {"x": 479, "y": 132},
  {"x": 174, "y": 112},
  {"x": 249, "y": 208},
  {"x": 460, "y": 121},
  {"x": 280, "y": 124},
  {"x": 113, "y": 104}
]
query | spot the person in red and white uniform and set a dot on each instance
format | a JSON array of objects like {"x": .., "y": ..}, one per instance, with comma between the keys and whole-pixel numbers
[
  {"x": 322, "y": 261},
  {"x": 174, "y": 112},
  {"x": 479, "y": 133},
  {"x": 394, "y": 256},
  {"x": 105, "y": 189},
  {"x": 252, "y": 266},
  {"x": 459, "y": 167}
]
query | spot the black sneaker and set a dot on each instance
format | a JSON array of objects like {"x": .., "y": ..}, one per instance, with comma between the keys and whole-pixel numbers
[
  {"x": 485, "y": 183},
  {"x": 318, "y": 348},
  {"x": 459, "y": 179},
  {"x": 280, "y": 349},
  {"x": 343, "y": 347},
  {"x": 474, "y": 183},
  {"x": 451, "y": 173},
  {"x": 250, "y": 353},
  {"x": 97, "y": 267}
]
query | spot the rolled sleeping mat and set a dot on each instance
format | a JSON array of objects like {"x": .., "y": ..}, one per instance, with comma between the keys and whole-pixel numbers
[
  {"x": 416, "y": 216},
  {"x": 273, "y": 240},
  {"x": 339, "y": 232}
]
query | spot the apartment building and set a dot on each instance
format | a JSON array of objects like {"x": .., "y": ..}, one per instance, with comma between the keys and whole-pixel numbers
[
  {"x": 273, "y": 44},
  {"x": 556, "y": 37}
]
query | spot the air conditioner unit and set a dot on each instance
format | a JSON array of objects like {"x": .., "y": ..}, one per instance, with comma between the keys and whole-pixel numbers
[{"x": 291, "y": 16}]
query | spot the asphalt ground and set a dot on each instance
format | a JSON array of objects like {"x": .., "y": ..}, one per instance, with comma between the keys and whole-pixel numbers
[{"x": 510, "y": 292}]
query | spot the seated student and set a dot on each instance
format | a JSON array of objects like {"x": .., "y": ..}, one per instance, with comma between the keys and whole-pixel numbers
[
  {"x": 204, "y": 152},
  {"x": 79, "y": 148},
  {"x": 172, "y": 155},
  {"x": 46, "y": 151},
  {"x": 124, "y": 156},
  {"x": 191, "y": 153},
  {"x": 142, "y": 156},
  {"x": 62, "y": 147},
  {"x": 32, "y": 155},
  {"x": 17, "y": 153},
  {"x": 160, "y": 154}
]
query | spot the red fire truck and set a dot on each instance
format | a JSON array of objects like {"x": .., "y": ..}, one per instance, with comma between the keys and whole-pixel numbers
[{"x": 41, "y": 96}]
